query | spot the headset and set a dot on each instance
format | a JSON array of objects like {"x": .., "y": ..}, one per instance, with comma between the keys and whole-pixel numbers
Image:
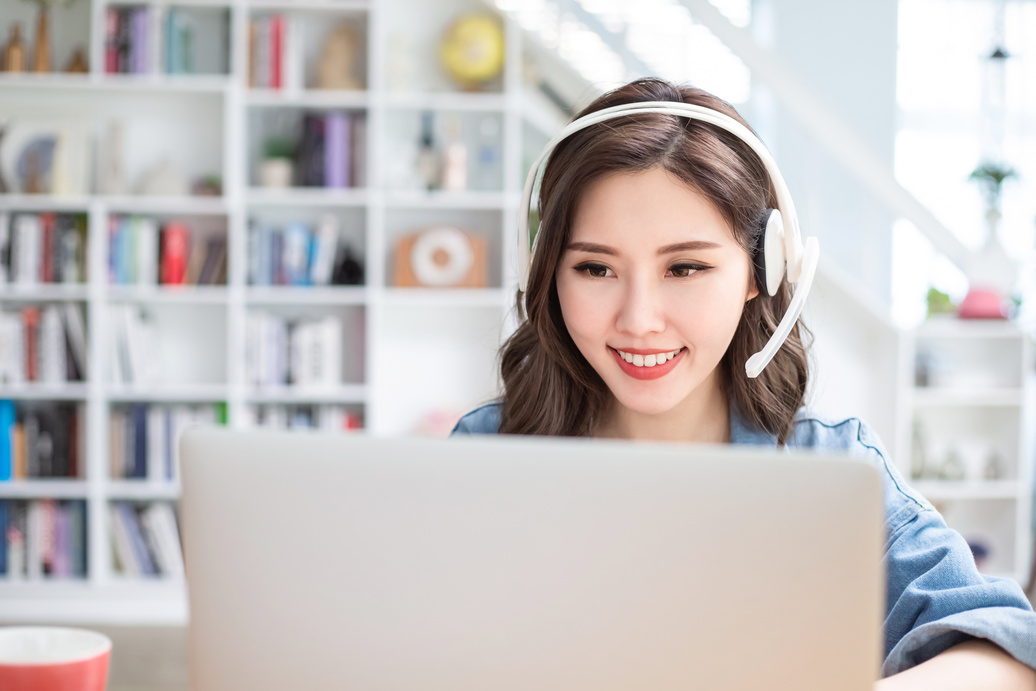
[{"x": 783, "y": 249}]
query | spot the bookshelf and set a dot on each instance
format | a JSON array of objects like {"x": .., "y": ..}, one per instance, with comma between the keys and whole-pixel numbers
[
  {"x": 215, "y": 124},
  {"x": 969, "y": 391}
]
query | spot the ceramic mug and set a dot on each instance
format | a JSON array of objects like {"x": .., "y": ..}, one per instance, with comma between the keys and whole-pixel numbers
[{"x": 38, "y": 658}]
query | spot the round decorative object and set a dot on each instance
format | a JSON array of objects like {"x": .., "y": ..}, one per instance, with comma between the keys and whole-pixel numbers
[
  {"x": 472, "y": 49},
  {"x": 441, "y": 256}
]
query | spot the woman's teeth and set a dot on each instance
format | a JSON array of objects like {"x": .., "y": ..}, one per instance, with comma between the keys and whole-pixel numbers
[{"x": 648, "y": 360}]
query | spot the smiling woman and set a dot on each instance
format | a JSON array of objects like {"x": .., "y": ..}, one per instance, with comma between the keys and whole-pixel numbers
[{"x": 649, "y": 241}]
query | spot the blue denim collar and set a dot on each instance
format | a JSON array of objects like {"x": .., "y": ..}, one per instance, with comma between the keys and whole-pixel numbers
[{"x": 744, "y": 432}]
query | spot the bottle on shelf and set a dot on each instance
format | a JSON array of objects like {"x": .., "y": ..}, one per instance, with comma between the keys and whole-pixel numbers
[
  {"x": 428, "y": 167},
  {"x": 454, "y": 158},
  {"x": 14, "y": 52}
]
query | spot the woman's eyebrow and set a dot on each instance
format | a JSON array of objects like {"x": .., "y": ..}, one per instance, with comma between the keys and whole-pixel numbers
[{"x": 668, "y": 249}]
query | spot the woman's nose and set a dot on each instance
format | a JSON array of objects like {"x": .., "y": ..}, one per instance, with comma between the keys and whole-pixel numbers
[{"x": 641, "y": 311}]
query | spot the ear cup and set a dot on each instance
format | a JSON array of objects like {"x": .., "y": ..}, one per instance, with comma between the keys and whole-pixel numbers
[{"x": 774, "y": 257}]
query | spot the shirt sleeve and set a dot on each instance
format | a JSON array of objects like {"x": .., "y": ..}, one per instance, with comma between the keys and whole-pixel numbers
[{"x": 937, "y": 598}]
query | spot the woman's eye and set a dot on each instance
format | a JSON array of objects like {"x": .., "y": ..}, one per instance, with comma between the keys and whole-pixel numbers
[
  {"x": 685, "y": 270},
  {"x": 594, "y": 270}
]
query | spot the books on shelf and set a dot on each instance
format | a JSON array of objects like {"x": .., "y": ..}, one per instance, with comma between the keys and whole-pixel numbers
[
  {"x": 275, "y": 52},
  {"x": 42, "y": 539},
  {"x": 41, "y": 440},
  {"x": 304, "y": 353},
  {"x": 143, "y": 439},
  {"x": 128, "y": 39},
  {"x": 42, "y": 248},
  {"x": 134, "y": 350},
  {"x": 332, "y": 150},
  {"x": 44, "y": 344},
  {"x": 141, "y": 251},
  {"x": 146, "y": 540},
  {"x": 300, "y": 254},
  {"x": 325, "y": 417}
]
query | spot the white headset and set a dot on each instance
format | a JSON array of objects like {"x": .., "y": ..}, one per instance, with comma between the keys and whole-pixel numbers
[{"x": 783, "y": 252}]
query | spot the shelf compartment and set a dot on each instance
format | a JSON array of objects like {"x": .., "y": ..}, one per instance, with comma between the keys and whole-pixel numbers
[
  {"x": 286, "y": 295},
  {"x": 452, "y": 297},
  {"x": 168, "y": 393},
  {"x": 69, "y": 391},
  {"x": 59, "y": 488},
  {"x": 308, "y": 98},
  {"x": 307, "y": 197},
  {"x": 202, "y": 295},
  {"x": 45, "y": 202},
  {"x": 44, "y": 292},
  {"x": 344, "y": 394},
  {"x": 142, "y": 490}
]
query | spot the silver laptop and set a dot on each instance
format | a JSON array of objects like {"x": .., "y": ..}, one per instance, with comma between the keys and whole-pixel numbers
[{"x": 500, "y": 563}]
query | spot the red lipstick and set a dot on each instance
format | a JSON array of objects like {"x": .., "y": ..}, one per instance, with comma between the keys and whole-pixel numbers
[{"x": 647, "y": 372}]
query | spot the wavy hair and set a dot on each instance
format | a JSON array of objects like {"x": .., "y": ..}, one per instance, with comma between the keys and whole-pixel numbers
[{"x": 549, "y": 387}]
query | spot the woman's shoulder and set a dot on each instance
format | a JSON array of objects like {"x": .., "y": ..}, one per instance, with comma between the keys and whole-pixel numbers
[{"x": 482, "y": 420}]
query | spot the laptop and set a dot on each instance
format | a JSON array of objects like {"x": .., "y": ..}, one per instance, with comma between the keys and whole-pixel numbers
[{"x": 328, "y": 561}]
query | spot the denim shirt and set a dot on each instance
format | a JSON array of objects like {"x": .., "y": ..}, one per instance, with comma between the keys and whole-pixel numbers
[{"x": 936, "y": 596}]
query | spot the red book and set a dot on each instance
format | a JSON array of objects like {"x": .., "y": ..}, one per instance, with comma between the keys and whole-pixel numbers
[
  {"x": 31, "y": 322},
  {"x": 175, "y": 241},
  {"x": 111, "y": 40},
  {"x": 276, "y": 49},
  {"x": 47, "y": 263}
]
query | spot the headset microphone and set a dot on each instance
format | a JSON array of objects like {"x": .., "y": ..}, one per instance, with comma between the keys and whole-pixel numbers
[{"x": 783, "y": 250}]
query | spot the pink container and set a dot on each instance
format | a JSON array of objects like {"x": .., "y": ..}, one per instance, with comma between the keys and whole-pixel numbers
[{"x": 38, "y": 658}]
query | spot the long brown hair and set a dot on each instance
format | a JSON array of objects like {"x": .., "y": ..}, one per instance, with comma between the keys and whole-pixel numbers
[{"x": 549, "y": 387}]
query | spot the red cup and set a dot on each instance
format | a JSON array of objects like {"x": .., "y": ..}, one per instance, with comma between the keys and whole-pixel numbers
[{"x": 45, "y": 658}]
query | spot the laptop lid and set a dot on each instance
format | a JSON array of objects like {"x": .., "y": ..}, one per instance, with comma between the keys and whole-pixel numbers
[{"x": 321, "y": 561}]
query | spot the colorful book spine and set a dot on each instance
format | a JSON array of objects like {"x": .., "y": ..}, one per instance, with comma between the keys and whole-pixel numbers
[
  {"x": 175, "y": 247},
  {"x": 336, "y": 150},
  {"x": 7, "y": 419}
]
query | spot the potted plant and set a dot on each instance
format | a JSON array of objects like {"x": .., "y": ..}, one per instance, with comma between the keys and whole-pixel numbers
[
  {"x": 275, "y": 170},
  {"x": 992, "y": 274}
]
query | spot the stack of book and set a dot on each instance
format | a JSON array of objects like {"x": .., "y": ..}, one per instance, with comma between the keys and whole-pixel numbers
[
  {"x": 42, "y": 248},
  {"x": 326, "y": 417},
  {"x": 143, "y": 439},
  {"x": 134, "y": 36},
  {"x": 146, "y": 540},
  {"x": 43, "y": 538},
  {"x": 44, "y": 344},
  {"x": 301, "y": 255},
  {"x": 41, "y": 440},
  {"x": 332, "y": 150},
  {"x": 143, "y": 252},
  {"x": 275, "y": 52},
  {"x": 306, "y": 354}
]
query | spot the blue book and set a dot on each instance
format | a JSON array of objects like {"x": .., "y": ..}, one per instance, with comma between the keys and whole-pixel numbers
[
  {"x": 140, "y": 441},
  {"x": 128, "y": 517},
  {"x": 77, "y": 537},
  {"x": 296, "y": 254},
  {"x": 6, "y": 441},
  {"x": 3, "y": 537}
]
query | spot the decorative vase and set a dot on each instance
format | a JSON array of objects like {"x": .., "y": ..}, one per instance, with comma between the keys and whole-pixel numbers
[
  {"x": 14, "y": 53},
  {"x": 41, "y": 57},
  {"x": 275, "y": 173}
]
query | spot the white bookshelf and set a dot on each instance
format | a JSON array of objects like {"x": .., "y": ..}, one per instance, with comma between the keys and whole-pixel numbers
[
  {"x": 975, "y": 397},
  {"x": 413, "y": 351}
]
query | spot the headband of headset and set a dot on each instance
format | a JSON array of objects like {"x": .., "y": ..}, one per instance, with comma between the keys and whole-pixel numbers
[{"x": 783, "y": 249}]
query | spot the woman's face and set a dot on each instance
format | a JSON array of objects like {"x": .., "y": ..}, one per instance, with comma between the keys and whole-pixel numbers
[{"x": 652, "y": 274}]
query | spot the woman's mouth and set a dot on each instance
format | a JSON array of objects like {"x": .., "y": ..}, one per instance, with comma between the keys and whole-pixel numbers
[{"x": 647, "y": 366}]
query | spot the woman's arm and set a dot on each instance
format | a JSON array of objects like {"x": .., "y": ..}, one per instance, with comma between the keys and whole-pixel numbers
[{"x": 974, "y": 664}]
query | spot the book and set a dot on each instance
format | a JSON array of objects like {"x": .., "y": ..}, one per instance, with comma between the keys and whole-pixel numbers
[
  {"x": 276, "y": 49},
  {"x": 295, "y": 258},
  {"x": 46, "y": 270},
  {"x": 75, "y": 334},
  {"x": 125, "y": 557},
  {"x": 17, "y": 525},
  {"x": 111, "y": 40},
  {"x": 141, "y": 554},
  {"x": 146, "y": 234},
  {"x": 336, "y": 150},
  {"x": 214, "y": 265},
  {"x": 31, "y": 326},
  {"x": 5, "y": 246},
  {"x": 52, "y": 357},
  {"x": 26, "y": 257},
  {"x": 161, "y": 521},
  {"x": 7, "y": 419},
  {"x": 3, "y": 536},
  {"x": 325, "y": 248},
  {"x": 175, "y": 245},
  {"x": 358, "y": 150},
  {"x": 76, "y": 511},
  {"x": 12, "y": 352},
  {"x": 20, "y": 452},
  {"x": 34, "y": 541}
]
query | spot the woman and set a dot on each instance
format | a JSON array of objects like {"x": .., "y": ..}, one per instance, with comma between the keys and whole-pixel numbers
[{"x": 646, "y": 296}]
